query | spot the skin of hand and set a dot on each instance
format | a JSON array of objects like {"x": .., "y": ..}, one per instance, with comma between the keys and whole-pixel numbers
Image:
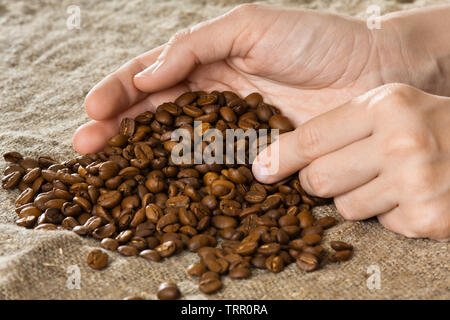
[
  {"x": 305, "y": 62},
  {"x": 385, "y": 154}
]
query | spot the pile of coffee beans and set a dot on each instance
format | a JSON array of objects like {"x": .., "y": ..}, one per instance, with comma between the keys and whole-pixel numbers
[{"x": 135, "y": 199}]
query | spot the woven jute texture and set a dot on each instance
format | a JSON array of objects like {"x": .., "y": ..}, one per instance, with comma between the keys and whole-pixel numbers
[{"x": 46, "y": 70}]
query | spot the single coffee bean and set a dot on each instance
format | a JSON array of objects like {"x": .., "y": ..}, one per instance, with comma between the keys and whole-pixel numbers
[
  {"x": 342, "y": 255},
  {"x": 97, "y": 259},
  {"x": 196, "y": 269},
  {"x": 168, "y": 291},
  {"x": 340, "y": 245},
  {"x": 12, "y": 156},
  {"x": 240, "y": 273},
  {"x": 326, "y": 222},
  {"x": 150, "y": 254},
  {"x": 127, "y": 250},
  {"x": 274, "y": 264},
  {"x": 307, "y": 262},
  {"x": 109, "y": 244}
]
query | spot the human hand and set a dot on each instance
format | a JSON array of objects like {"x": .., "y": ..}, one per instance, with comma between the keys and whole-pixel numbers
[
  {"x": 385, "y": 154},
  {"x": 305, "y": 62}
]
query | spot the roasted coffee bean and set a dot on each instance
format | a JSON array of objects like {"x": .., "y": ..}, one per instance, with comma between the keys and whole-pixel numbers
[
  {"x": 325, "y": 222},
  {"x": 209, "y": 285},
  {"x": 281, "y": 123},
  {"x": 196, "y": 269},
  {"x": 150, "y": 254},
  {"x": 274, "y": 264},
  {"x": 269, "y": 249},
  {"x": 12, "y": 156},
  {"x": 27, "y": 221},
  {"x": 127, "y": 250},
  {"x": 340, "y": 245},
  {"x": 97, "y": 259},
  {"x": 110, "y": 199},
  {"x": 240, "y": 273},
  {"x": 109, "y": 244},
  {"x": 307, "y": 262},
  {"x": 342, "y": 255},
  {"x": 168, "y": 291}
]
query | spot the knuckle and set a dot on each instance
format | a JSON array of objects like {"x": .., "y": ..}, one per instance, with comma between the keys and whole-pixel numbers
[
  {"x": 308, "y": 141},
  {"x": 245, "y": 8},
  {"x": 317, "y": 180},
  {"x": 391, "y": 96},
  {"x": 344, "y": 206},
  {"x": 180, "y": 36},
  {"x": 406, "y": 142},
  {"x": 433, "y": 222},
  {"x": 421, "y": 179}
]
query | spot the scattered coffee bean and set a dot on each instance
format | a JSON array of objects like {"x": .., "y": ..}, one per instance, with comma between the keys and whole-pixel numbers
[
  {"x": 168, "y": 291},
  {"x": 97, "y": 259}
]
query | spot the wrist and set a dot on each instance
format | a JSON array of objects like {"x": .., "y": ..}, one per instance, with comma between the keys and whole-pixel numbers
[{"x": 411, "y": 48}]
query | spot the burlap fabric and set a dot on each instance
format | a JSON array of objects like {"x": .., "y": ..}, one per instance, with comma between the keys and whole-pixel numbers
[{"x": 45, "y": 72}]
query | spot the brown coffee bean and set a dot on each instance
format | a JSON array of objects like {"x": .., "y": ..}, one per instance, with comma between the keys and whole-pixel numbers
[
  {"x": 338, "y": 256},
  {"x": 186, "y": 98},
  {"x": 27, "y": 221},
  {"x": 247, "y": 248},
  {"x": 151, "y": 255},
  {"x": 166, "y": 249},
  {"x": 108, "y": 170},
  {"x": 97, "y": 259},
  {"x": 274, "y": 264},
  {"x": 168, "y": 291},
  {"x": 127, "y": 250},
  {"x": 240, "y": 273},
  {"x": 307, "y": 262},
  {"x": 12, "y": 156},
  {"x": 311, "y": 239},
  {"x": 269, "y": 249},
  {"x": 196, "y": 269},
  {"x": 109, "y": 244},
  {"x": 210, "y": 285},
  {"x": 110, "y": 199},
  {"x": 325, "y": 222},
  {"x": 222, "y": 222},
  {"x": 340, "y": 245},
  {"x": 281, "y": 123},
  {"x": 128, "y": 126}
]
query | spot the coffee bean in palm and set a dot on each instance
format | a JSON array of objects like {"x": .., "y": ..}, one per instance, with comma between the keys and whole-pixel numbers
[{"x": 97, "y": 259}]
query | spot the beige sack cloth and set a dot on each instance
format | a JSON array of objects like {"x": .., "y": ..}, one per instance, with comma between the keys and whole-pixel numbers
[{"x": 46, "y": 70}]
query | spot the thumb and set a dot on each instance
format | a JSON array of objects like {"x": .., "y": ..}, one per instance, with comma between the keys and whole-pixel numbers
[{"x": 204, "y": 43}]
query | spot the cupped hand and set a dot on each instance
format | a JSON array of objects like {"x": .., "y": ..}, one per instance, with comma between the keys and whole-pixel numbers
[
  {"x": 305, "y": 62},
  {"x": 385, "y": 153}
]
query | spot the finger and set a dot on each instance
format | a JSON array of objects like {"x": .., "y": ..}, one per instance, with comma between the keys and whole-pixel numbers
[
  {"x": 93, "y": 136},
  {"x": 117, "y": 91},
  {"x": 204, "y": 43},
  {"x": 321, "y": 135},
  {"x": 373, "y": 198},
  {"x": 394, "y": 220},
  {"x": 342, "y": 170}
]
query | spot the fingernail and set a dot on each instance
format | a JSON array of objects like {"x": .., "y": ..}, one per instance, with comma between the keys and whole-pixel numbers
[
  {"x": 150, "y": 70},
  {"x": 260, "y": 171}
]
